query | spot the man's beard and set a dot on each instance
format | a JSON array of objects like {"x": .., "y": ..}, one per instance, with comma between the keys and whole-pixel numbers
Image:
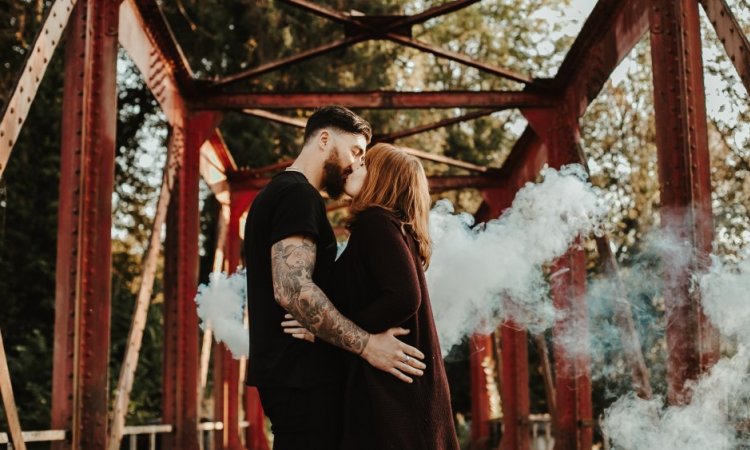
[{"x": 334, "y": 176}]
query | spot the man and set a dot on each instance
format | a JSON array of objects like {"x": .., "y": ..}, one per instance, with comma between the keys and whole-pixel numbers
[{"x": 290, "y": 249}]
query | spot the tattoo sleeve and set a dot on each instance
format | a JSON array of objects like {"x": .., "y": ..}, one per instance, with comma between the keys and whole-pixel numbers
[{"x": 292, "y": 265}]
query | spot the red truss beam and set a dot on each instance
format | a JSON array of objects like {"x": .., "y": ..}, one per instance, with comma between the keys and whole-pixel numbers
[
  {"x": 39, "y": 55},
  {"x": 277, "y": 118},
  {"x": 685, "y": 186},
  {"x": 731, "y": 35},
  {"x": 355, "y": 22},
  {"x": 514, "y": 365},
  {"x": 180, "y": 375},
  {"x": 157, "y": 28},
  {"x": 611, "y": 31},
  {"x": 376, "y": 100},
  {"x": 222, "y": 151},
  {"x": 396, "y": 26},
  {"x": 390, "y": 137},
  {"x": 143, "y": 37},
  {"x": 609, "y": 34},
  {"x": 80, "y": 396}
]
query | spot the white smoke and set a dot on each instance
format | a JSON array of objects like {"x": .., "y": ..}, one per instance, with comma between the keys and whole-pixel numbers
[
  {"x": 221, "y": 306},
  {"x": 479, "y": 276},
  {"x": 720, "y": 399}
]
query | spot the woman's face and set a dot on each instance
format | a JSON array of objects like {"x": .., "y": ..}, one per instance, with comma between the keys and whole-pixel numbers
[{"x": 356, "y": 179}]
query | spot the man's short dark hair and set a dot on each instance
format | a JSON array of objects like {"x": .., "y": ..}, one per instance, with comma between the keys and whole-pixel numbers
[{"x": 339, "y": 118}]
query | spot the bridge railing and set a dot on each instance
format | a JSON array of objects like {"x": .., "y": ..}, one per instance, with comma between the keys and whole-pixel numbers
[{"x": 134, "y": 436}]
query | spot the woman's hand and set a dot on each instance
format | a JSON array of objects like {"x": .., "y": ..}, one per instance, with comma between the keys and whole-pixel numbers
[{"x": 293, "y": 327}]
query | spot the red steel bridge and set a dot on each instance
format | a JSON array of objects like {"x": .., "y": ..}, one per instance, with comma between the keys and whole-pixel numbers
[{"x": 81, "y": 413}]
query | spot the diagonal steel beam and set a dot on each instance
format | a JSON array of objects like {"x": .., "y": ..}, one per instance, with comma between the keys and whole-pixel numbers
[
  {"x": 300, "y": 123},
  {"x": 387, "y": 33},
  {"x": 390, "y": 137},
  {"x": 731, "y": 35},
  {"x": 156, "y": 26},
  {"x": 343, "y": 43},
  {"x": 9, "y": 402},
  {"x": 27, "y": 84},
  {"x": 273, "y": 117},
  {"x": 375, "y": 100},
  {"x": 291, "y": 60}
]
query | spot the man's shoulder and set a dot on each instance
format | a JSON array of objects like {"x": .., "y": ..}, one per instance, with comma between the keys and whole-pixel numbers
[{"x": 285, "y": 188}]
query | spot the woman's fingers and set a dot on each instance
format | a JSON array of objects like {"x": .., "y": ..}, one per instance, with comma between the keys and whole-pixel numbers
[
  {"x": 295, "y": 331},
  {"x": 396, "y": 373},
  {"x": 291, "y": 323}
]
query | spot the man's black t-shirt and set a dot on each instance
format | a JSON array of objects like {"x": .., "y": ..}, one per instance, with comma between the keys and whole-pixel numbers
[{"x": 288, "y": 206}]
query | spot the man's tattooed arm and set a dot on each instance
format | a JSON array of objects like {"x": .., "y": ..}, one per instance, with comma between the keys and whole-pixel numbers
[{"x": 292, "y": 265}]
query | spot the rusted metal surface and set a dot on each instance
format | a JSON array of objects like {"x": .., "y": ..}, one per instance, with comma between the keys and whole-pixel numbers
[
  {"x": 515, "y": 394},
  {"x": 480, "y": 348},
  {"x": 160, "y": 34},
  {"x": 180, "y": 397},
  {"x": 608, "y": 35},
  {"x": 731, "y": 35},
  {"x": 273, "y": 117},
  {"x": 685, "y": 186},
  {"x": 397, "y": 26},
  {"x": 163, "y": 76},
  {"x": 143, "y": 301},
  {"x": 572, "y": 371},
  {"x": 374, "y": 100},
  {"x": 514, "y": 343},
  {"x": 18, "y": 106},
  {"x": 82, "y": 322},
  {"x": 9, "y": 402}
]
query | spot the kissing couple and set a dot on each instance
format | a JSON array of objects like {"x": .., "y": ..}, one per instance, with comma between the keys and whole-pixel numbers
[{"x": 344, "y": 352}]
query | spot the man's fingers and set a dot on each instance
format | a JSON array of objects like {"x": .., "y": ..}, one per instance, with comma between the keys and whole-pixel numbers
[
  {"x": 404, "y": 367},
  {"x": 411, "y": 351},
  {"x": 396, "y": 373},
  {"x": 291, "y": 323},
  {"x": 399, "y": 331},
  {"x": 288, "y": 316}
]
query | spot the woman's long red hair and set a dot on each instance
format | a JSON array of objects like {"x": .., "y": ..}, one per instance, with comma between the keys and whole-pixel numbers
[{"x": 396, "y": 181}]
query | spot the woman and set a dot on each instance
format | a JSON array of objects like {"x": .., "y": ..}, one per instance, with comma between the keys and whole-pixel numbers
[{"x": 379, "y": 283}]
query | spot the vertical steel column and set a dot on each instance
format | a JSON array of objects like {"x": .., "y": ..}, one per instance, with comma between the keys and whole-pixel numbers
[
  {"x": 515, "y": 360},
  {"x": 180, "y": 398},
  {"x": 684, "y": 174},
  {"x": 480, "y": 346},
  {"x": 226, "y": 368},
  {"x": 255, "y": 436},
  {"x": 515, "y": 388},
  {"x": 573, "y": 428},
  {"x": 80, "y": 395},
  {"x": 572, "y": 368}
]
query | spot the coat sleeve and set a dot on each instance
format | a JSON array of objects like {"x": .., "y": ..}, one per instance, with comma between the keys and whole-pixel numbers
[{"x": 389, "y": 261}]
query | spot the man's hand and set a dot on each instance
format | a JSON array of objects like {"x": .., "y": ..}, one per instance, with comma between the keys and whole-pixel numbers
[{"x": 386, "y": 352}]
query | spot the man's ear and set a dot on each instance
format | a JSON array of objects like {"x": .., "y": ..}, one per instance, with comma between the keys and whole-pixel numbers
[{"x": 323, "y": 139}]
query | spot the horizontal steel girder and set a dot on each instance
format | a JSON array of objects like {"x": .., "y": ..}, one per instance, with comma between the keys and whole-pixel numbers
[{"x": 376, "y": 100}]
